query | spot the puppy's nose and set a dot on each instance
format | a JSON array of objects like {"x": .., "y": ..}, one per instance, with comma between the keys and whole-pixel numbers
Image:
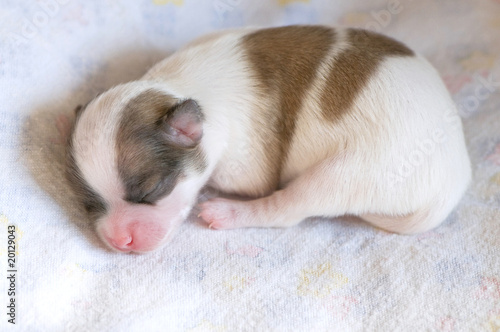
[
  {"x": 137, "y": 236},
  {"x": 123, "y": 243}
]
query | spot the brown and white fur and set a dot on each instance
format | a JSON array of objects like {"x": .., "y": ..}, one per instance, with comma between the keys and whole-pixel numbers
[{"x": 303, "y": 120}]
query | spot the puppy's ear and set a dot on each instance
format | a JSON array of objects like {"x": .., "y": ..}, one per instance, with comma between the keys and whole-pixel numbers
[
  {"x": 183, "y": 124},
  {"x": 78, "y": 110}
]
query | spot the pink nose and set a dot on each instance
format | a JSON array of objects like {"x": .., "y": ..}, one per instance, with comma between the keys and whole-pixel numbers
[
  {"x": 123, "y": 243},
  {"x": 136, "y": 236}
]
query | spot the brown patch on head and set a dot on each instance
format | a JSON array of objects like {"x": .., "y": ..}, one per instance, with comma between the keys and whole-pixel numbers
[
  {"x": 352, "y": 69},
  {"x": 285, "y": 61},
  {"x": 149, "y": 164}
]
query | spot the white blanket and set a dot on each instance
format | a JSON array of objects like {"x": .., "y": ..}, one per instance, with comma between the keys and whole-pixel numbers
[{"x": 322, "y": 275}]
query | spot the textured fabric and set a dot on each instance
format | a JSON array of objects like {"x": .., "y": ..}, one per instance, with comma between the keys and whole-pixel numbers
[{"x": 322, "y": 275}]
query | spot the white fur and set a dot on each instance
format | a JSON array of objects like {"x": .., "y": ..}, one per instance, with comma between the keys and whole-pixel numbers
[
  {"x": 228, "y": 105},
  {"x": 345, "y": 167},
  {"x": 333, "y": 168},
  {"x": 93, "y": 145}
]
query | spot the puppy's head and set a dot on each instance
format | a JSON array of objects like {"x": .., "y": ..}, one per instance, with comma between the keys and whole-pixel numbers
[{"x": 135, "y": 161}]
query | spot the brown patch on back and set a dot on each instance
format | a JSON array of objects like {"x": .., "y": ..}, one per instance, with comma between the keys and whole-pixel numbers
[
  {"x": 148, "y": 164},
  {"x": 285, "y": 61},
  {"x": 352, "y": 69}
]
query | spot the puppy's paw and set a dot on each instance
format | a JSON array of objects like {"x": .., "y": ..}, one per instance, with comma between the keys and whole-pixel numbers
[{"x": 219, "y": 213}]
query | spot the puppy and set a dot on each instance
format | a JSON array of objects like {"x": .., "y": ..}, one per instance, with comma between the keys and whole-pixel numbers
[{"x": 303, "y": 120}]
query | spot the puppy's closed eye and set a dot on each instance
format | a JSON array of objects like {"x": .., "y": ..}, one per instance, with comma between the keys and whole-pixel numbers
[{"x": 149, "y": 189}]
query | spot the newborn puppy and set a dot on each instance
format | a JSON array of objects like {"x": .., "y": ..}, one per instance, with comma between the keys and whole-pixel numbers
[{"x": 303, "y": 120}]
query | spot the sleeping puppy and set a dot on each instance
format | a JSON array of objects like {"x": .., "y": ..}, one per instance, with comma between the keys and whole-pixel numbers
[{"x": 301, "y": 120}]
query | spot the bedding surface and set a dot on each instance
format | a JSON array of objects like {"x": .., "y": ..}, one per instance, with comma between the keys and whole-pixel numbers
[{"x": 322, "y": 275}]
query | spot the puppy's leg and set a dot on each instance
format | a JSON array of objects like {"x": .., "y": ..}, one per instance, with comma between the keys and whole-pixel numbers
[
  {"x": 344, "y": 185},
  {"x": 323, "y": 190}
]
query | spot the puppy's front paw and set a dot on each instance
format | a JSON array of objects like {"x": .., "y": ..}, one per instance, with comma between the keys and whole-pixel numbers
[{"x": 218, "y": 213}]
